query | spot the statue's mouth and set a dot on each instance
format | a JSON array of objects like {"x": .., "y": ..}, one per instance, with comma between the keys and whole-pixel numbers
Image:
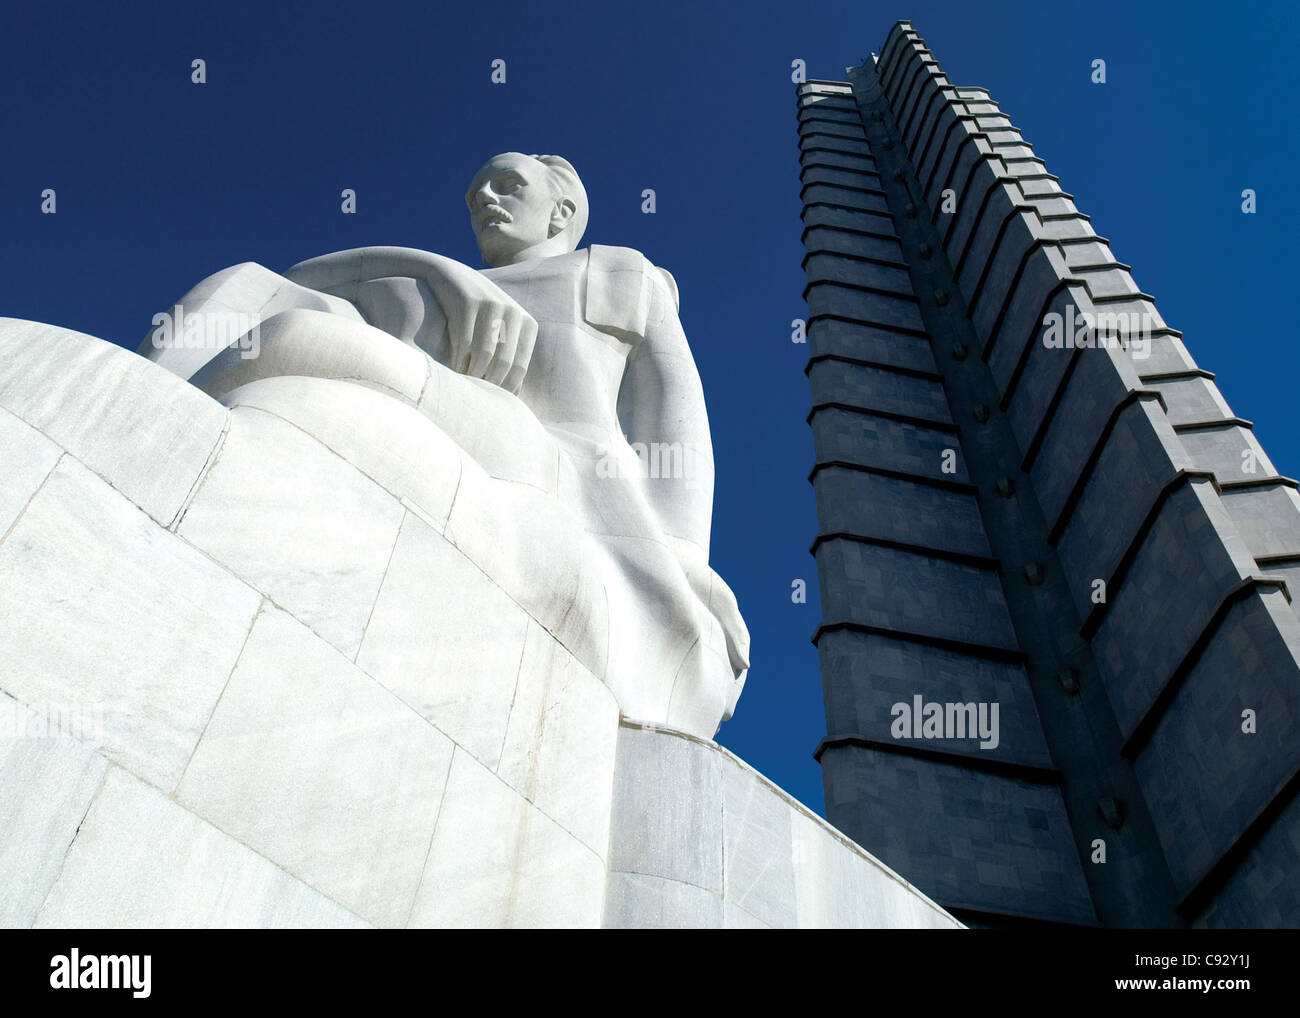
[{"x": 495, "y": 214}]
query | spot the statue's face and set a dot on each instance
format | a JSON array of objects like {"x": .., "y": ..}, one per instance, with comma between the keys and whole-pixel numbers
[{"x": 512, "y": 206}]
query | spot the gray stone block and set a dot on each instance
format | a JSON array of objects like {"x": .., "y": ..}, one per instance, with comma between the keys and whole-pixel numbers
[
  {"x": 829, "y": 336},
  {"x": 864, "y": 676},
  {"x": 1205, "y": 778},
  {"x": 871, "y": 441},
  {"x": 1190, "y": 560},
  {"x": 1267, "y": 518},
  {"x": 843, "y": 197},
  {"x": 892, "y": 509},
  {"x": 872, "y": 388},
  {"x": 900, "y": 590},
  {"x": 827, "y": 267},
  {"x": 821, "y": 239},
  {"x": 981, "y": 840}
]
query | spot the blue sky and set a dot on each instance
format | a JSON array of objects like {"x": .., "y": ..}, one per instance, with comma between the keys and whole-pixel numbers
[{"x": 161, "y": 182}]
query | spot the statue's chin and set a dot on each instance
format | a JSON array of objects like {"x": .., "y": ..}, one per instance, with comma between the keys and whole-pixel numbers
[
  {"x": 498, "y": 250},
  {"x": 494, "y": 257},
  {"x": 496, "y": 247}
]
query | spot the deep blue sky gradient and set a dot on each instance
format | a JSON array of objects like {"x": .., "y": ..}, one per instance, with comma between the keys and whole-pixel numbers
[{"x": 161, "y": 182}]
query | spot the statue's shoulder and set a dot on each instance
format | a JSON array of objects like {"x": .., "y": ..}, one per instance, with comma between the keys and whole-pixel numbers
[{"x": 626, "y": 292}]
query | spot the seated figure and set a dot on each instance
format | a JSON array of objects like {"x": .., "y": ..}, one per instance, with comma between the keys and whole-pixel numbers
[{"x": 564, "y": 373}]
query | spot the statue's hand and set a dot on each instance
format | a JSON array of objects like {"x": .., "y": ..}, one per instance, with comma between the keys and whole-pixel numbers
[{"x": 490, "y": 335}]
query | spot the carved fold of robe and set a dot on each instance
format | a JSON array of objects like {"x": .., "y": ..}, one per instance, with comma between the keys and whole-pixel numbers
[{"x": 579, "y": 534}]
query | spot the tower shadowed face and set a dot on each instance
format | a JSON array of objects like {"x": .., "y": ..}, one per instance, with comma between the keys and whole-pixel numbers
[{"x": 514, "y": 206}]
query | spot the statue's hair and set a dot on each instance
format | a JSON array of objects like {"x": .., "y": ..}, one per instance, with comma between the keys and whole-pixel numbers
[{"x": 569, "y": 185}]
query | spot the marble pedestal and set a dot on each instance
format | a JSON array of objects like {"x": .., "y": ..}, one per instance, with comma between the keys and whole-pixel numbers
[{"x": 256, "y": 671}]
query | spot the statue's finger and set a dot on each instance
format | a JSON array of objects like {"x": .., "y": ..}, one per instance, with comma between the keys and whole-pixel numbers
[
  {"x": 523, "y": 355},
  {"x": 504, "y": 357},
  {"x": 527, "y": 341},
  {"x": 461, "y": 327},
  {"x": 487, "y": 332}
]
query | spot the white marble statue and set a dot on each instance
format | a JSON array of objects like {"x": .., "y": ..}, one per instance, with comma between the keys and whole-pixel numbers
[
  {"x": 376, "y": 594},
  {"x": 561, "y": 369}
]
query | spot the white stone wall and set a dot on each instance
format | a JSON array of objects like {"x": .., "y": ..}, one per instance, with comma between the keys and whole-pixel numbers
[
  {"x": 325, "y": 697},
  {"x": 701, "y": 839}
]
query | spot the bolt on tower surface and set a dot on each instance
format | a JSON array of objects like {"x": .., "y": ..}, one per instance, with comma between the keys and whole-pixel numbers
[{"x": 1059, "y": 652}]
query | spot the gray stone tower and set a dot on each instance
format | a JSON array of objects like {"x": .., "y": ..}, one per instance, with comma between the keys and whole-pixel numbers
[{"x": 1031, "y": 498}]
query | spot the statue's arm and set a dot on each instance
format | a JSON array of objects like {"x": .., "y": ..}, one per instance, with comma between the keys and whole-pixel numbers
[
  {"x": 661, "y": 406},
  {"x": 661, "y": 400},
  {"x": 336, "y": 272},
  {"x": 491, "y": 336}
]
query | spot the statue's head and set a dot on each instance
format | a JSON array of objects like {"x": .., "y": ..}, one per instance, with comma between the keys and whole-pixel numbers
[{"x": 525, "y": 207}]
